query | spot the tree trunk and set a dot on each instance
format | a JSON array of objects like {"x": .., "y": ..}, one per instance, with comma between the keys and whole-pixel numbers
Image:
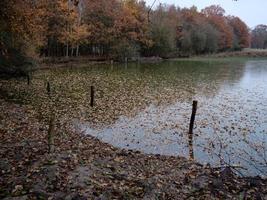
[
  {"x": 77, "y": 50},
  {"x": 72, "y": 50},
  {"x": 67, "y": 50}
]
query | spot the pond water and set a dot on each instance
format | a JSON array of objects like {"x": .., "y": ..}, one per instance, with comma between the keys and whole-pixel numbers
[{"x": 147, "y": 107}]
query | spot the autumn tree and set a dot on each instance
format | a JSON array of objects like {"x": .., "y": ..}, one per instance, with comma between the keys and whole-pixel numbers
[
  {"x": 241, "y": 33},
  {"x": 215, "y": 15},
  {"x": 212, "y": 41},
  {"x": 197, "y": 35},
  {"x": 189, "y": 20},
  {"x": 21, "y": 31},
  {"x": 162, "y": 30},
  {"x": 100, "y": 16},
  {"x": 64, "y": 28},
  {"x": 132, "y": 30},
  {"x": 259, "y": 37},
  {"x": 118, "y": 27}
]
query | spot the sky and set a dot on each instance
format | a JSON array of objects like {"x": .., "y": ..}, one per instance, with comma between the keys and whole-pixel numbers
[{"x": 253, "y": 12}]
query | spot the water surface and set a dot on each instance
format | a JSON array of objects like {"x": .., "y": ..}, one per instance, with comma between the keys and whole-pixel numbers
[{"x": 147, "y": 107}]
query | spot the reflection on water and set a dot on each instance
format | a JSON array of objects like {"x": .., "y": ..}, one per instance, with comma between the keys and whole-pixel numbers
[
  {"x": 231, "y": 122},
  {"x": 147, "y": 107}
]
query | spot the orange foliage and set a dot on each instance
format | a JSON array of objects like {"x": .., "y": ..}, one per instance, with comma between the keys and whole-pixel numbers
[
  {"x": 240, "y": 30},
  {"x": 110, "y": 20},
  {"x": 215, "y": 15}
]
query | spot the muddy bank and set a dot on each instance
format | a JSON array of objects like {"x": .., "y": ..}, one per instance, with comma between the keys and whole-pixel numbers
[{"x": 85, "y": 168}]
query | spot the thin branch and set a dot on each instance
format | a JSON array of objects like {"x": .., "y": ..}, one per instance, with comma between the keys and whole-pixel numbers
[{"x": 149, "y": 10}]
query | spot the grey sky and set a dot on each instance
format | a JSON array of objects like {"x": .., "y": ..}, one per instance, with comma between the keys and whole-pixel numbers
[{"x": 253, "y": 12}]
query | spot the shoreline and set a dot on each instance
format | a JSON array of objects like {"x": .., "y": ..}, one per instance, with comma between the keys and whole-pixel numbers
[
  {"x": 70, "y": 62},
  {"x": 86, "y": 168}
]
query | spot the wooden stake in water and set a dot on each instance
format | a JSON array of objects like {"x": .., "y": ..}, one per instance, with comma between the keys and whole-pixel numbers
[
  {"x": 28, "y": 79},
  {"x": 48, "y": 89},
  {"x": 191, "y": 127},
  {"x": 92, "y": 96}
]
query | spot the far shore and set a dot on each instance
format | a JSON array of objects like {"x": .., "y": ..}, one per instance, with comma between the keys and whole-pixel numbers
[{"x": 47, "y": 63}]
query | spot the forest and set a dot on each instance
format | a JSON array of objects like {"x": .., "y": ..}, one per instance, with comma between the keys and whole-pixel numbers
[{"x": 115, "y": 30}]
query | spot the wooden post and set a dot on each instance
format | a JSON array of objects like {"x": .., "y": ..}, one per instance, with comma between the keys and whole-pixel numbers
[
  {"x": 191, "y": 127},
  {"x": 48, "y": 88},
  {"x": 28, "y": 79},
  {"x": 92, "y": 96},
  {"x": 192, "y": 120}
]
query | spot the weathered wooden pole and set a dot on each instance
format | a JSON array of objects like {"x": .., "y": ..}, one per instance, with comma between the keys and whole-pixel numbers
[
  {"x": 28, "y": 79},
  {"x": 92, "y": 96},
  {"x": 191, "y": 127},
  {"x": 48, "y": 89},
  {"x": 192, "y": 120}
]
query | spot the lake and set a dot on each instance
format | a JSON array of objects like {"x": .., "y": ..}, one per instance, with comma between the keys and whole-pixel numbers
[{"x": 147, "y": 107}]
